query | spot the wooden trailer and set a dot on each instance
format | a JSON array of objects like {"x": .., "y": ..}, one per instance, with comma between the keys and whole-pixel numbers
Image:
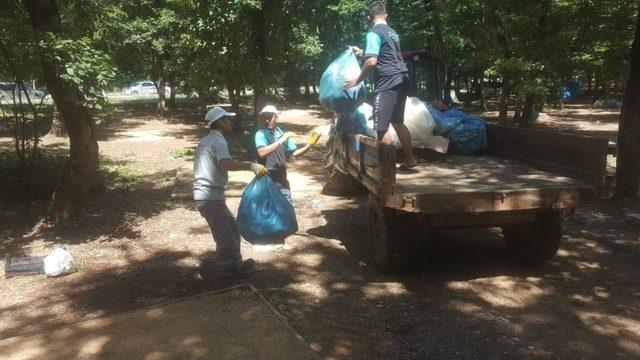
[{"x": 526, "y": 184}]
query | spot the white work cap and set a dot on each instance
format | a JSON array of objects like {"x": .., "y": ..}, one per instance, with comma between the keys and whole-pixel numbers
[
  {"x": 270, "y": 109},
  {"x": 216, "y": 113}
]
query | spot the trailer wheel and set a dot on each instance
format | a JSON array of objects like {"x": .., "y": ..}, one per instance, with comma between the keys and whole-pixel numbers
[
  {"x": 390, "y": 247},
  {"x": 535, "y": 242}
]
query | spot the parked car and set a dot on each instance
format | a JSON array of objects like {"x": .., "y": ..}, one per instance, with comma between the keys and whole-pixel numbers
[
  {"x": 142, "y": 88},
  {"x": 7, "y": 88}
]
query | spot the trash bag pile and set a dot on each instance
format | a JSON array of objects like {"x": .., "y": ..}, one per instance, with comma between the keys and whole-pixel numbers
[
  {"x": 608, "y": 104},
  {"x": 333, "y": 95},
  {"x": 264, "y": 213},
  {"x": 467, "y": 133}
]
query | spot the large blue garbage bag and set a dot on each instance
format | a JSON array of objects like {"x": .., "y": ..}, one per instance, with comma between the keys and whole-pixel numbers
[
  {"x": 469, "y": 137},
  {"x": 354, "y": 124},
  {"x": 445, "y": 121},
  {"x": 264, "y": 213},
  {"x": 333, "y": 96}
]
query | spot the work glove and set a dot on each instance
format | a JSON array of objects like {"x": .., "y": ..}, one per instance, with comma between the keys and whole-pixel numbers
[
  {"x": 258, "y": 169},
  {"x": 314, "y": 136}
]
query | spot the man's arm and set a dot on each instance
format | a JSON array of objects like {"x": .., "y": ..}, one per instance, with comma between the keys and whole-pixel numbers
[
  {"x": 301, "y": 150},
  {"x": 229, "y": 164},
  {"x": 369, "y": 64},
  {"x": 371, "y": 52},
  {"x": 264, "y": 151},
  {"x": 233, "y": 165}
]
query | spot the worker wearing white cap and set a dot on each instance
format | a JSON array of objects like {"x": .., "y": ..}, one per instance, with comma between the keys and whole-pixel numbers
[
  {"x": 274, "y": 146},
  {"x": 211, "y": 165}
]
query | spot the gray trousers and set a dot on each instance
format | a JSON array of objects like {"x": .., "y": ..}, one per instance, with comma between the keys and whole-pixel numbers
[{"x": 225, "y": 234}]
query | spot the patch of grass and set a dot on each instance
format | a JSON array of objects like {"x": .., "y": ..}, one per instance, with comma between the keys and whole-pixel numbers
[
  {"x": 81, "y": 266},
  {"x": 183, "y": 152},
  {"x": 118, "y": 172}
]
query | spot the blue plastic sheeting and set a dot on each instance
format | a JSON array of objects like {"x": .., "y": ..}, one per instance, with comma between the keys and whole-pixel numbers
[
  {"x": 354, "y": 124},
  {"x": 333, "y": 96},
  {"x": 264, "y": 213},
  {"x": 470, "y": 137},
  {"x": 445, "y": 121},
  {"x": 467, "y": 134}
]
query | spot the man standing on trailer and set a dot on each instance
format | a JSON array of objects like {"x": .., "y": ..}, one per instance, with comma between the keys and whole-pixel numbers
[{"x": 382, "y": 55}]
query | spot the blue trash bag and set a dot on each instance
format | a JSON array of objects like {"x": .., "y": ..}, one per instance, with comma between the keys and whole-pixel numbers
[
  {"x": 610, "y": 104},
  {"x": 469, "y": 137},
  {"x": 333, "y": 96},
  {"x": 445, "y": 121},
  {"x": 354, "y": 124},
  {"x": 264, "y": 213}
]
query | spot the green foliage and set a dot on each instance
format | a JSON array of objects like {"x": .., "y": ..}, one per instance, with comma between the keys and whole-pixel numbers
[
  {"x": 183, "y": 152},
  {"x": 85, "y": 67}
]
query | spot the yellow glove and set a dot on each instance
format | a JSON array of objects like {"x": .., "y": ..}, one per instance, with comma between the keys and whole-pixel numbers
[
  {"x": 258, "y": 169},
  {"x": 314, "y": 136}
]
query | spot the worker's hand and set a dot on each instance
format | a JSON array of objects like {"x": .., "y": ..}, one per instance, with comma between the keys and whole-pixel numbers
[
  {"x": 313, "y": 138},
  {"x": 258, "y": 169},
  {"x": 286, "y": 137},
  {"x": 356, "y": 50},
  {"x": 351, "y": 83}
]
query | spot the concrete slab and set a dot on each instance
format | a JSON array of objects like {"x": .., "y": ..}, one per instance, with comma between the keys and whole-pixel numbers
[{"x": 236, "y": 323}]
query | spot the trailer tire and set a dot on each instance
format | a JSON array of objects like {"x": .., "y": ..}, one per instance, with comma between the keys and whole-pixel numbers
[
  {"x": 390, "y": 248},
  {"x": 535, "y": 242}
]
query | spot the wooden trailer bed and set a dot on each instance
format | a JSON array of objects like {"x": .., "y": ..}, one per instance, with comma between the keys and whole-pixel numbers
[{"x": 528, "y": 181}]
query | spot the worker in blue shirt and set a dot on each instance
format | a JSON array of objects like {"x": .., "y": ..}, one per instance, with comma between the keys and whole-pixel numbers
[
  {"x": 383, "y": 56},
  {"x": 274, "y": 146}
]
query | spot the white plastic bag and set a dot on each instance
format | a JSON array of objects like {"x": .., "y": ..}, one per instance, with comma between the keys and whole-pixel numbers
[
  {"x": 59, "y": 262},
  {"x": 417, "y": 119}
]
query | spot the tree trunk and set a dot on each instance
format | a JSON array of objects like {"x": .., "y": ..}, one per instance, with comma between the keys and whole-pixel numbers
[
  {"x": 525, "y": 117},
  {"x": 160, "y": 82},
  {"x": 628, "y": 162},
  {"x": 172, "y": 94},
  {"x": 259, "y": 55},
  {"x": 82, "y": 166},
  {"x": 483, "y": 96},
  {"x": 606, "y": 89},
  {"x": 517, "y": 109},
  {"x": 233, "y": 97},
  {"x": 202, "y": 99},
  {"x": 504, "y": 105}
]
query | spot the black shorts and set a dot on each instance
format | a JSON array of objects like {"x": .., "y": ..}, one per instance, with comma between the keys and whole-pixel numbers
[{"x": 388, "y": 106}]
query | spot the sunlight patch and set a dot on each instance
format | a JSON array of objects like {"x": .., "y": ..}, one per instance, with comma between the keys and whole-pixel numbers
[
  {"x": 502, "y": 291},
  {"x": 375, "y": 290},
  {"x": 142, "y": 136}
]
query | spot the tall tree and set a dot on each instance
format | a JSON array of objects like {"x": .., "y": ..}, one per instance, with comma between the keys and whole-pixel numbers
[
  {"x": 628, "y": 162},
  {"x": 81, "y": 168}
]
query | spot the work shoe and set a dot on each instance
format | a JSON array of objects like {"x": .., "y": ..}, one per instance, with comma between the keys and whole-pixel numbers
[{"x": 243, "y": 267}]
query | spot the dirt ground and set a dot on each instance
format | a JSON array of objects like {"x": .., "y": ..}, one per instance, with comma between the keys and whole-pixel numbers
[
  {"x": 137, "y": 248},
  {"x": 189, "y": 328}
]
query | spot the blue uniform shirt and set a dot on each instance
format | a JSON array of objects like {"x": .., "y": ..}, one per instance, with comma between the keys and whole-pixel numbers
[{"x": 262, "y": 141}]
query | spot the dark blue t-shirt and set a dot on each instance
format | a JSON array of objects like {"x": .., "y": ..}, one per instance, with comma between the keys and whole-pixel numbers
[{"x": 384, "y": 43}]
